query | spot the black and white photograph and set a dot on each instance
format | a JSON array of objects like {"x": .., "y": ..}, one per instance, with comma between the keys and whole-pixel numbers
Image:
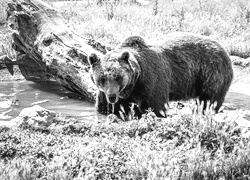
[{"x": 124, "y": 89}]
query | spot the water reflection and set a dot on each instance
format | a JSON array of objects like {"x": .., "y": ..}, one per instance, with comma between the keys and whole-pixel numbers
[{"x": 14, "y": 96}]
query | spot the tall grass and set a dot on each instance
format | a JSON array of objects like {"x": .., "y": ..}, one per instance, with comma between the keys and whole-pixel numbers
[
  {"x": 194, "y": 146},
  {"x": 5, "y": 38},
  {"x": 112, "y": 20},
  {"x": 227, "y": 20},
  {"x": 3, "y": 5}
]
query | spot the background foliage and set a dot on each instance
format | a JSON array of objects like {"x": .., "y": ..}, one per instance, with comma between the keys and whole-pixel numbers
[{"x": 194, "y": 146}]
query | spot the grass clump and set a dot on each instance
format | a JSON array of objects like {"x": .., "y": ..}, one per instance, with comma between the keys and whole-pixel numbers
[
  {"x": 184, "y": 146},
  {"x": 111, "y": 21}
]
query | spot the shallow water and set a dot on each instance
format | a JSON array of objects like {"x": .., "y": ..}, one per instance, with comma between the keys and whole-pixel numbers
[
  {"x": 14, "y": 96},
  {"x": 238, "y": 100}
]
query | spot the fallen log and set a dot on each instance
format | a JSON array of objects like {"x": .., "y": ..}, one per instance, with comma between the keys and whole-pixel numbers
[
  {"x": 6, "y": 62},
  {"x": 47, "y": 47}
]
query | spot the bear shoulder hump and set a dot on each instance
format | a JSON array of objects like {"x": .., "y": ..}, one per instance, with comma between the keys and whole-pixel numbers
[{"x": 135, "y": 42}]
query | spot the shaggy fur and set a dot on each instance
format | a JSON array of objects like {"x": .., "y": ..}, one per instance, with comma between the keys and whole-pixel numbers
[{"x": 181, "y": 67}]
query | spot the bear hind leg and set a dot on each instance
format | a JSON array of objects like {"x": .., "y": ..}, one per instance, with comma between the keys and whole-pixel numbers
[{"x": 218, "y": 99}]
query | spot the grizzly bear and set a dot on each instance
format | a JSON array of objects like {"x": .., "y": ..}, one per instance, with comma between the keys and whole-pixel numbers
[{"x": 181, "y": 67}]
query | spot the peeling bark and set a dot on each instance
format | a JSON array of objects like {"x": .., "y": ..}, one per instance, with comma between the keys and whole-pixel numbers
[{"x": 47, "y": 47}]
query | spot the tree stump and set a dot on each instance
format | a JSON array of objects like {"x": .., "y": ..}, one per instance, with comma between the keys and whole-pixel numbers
[{"x": 48, "y": 48}]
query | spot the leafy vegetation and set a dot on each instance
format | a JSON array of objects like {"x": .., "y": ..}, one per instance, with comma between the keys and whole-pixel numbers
[
  {"x": 226, "y": 21},
  {"x": 182, "y": 146}
]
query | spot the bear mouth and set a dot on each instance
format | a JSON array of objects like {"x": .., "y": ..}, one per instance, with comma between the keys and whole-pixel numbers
[{"x": 112, "y": 98}]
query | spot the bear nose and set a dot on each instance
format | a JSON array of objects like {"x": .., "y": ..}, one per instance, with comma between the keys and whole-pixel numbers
[{"x": 112, "y": 98}]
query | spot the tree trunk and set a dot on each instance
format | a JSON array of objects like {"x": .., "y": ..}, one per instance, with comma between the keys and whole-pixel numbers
[{"x": 47, "y": 47}]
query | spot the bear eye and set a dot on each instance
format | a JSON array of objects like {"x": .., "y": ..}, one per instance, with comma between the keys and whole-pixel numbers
[
  {"x": 102, "y": 80},
  {"x": 118, "y": 78}
]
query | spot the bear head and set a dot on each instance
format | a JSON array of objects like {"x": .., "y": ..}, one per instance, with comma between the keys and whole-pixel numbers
[{"x": 115, "y": 74}]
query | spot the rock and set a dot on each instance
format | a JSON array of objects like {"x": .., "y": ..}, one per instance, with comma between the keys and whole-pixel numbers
[
  {"x": 36, "y": 116},
  {"x": 111, "y": 118},
  {"x": 238, "y": 61}
]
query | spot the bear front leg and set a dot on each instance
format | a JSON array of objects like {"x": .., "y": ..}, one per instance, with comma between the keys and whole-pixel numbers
[
  {"x": 101, "y": 103},
  {"x": 103, "y": 106},
  {"x": 141, "y": 108}
]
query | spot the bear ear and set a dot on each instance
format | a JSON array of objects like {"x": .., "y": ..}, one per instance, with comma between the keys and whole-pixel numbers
[
  {"x": 125, "y": 56},
  {"x": 93, "y": 59}
]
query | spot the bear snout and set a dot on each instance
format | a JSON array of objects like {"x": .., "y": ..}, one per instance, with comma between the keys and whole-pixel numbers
[{"x": 112, "y": 98}]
